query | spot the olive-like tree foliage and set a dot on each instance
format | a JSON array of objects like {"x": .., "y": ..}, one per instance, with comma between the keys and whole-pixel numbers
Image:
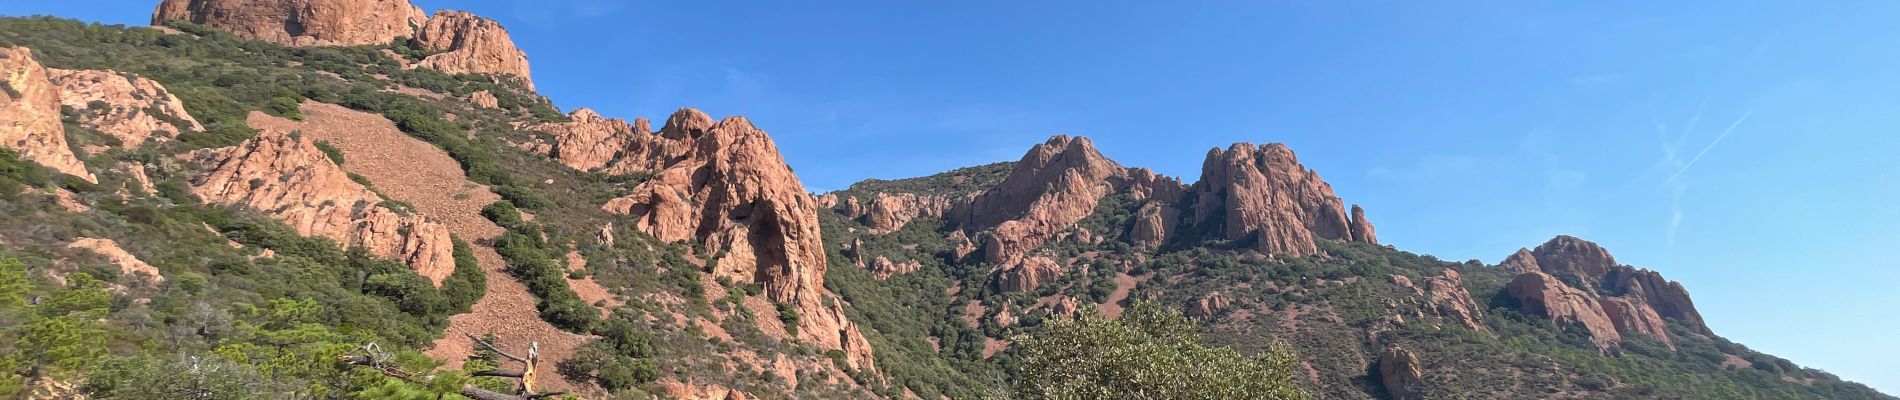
[{"x": 1151, "y": 352}]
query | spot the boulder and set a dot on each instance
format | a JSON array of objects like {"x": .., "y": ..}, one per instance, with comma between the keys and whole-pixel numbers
[{"x": 1399, "y": 370}]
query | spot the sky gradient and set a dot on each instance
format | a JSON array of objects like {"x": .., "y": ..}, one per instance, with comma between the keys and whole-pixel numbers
[{"x": 1746, "y": 151}]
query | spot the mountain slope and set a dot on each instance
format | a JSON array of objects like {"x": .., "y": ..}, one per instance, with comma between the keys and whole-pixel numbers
[{"x": 328, "y": 179}]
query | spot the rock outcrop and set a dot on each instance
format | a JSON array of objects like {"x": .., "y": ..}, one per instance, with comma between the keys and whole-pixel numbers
[
  {"x": 29, "y": 115},
  {"x": 1634, "y": 301},
  {"x": 1543, "y": 295},
  {"x": 590, "y": 142},
  {"x": 466, "y": 43},
  {"x": 1208, "y": 306},
  {"x": 1265, "y": 193},
  {"x": 461, "y": 42},
  {"x": 732, "y": 191},
  {"x": 288, "y": 178},
  {"x": 1027, "y": 275},
  {"x": 1154, "y": 223},
  {"x": 128, "y": 263},
  {"x": 884, "y": 268},
  {"x": 1399, "y": 370},
  {"x": 1056, "y": 184},
  {"x": 300, "y": 22},
  {"x": 130, "y": 108},
  {"x": 889, "y": 212},
  {"x": 1445, "y": 296}
]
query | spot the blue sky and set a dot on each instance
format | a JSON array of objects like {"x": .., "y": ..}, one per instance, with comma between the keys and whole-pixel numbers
[{"x": 1745, "y": 150}]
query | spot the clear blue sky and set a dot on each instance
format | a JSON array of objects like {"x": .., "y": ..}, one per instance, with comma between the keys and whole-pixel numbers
[{"x": 1745, "y": 150}]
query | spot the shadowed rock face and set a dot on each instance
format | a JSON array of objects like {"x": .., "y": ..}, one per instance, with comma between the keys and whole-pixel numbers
[
  {"x": 29, "y": 114},
  {"x": 291, "y": 180},
  {"x": 1632, "y": 301},
  {"x": 462, "y": 42},
  {"x": 731, "y": 190}
]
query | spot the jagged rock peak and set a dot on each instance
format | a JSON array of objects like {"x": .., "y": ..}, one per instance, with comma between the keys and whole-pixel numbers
[
  {"x": 1592, "y": 269},
  {"x": 731, "y": 190},
  {"x": 1264, "y": 191},
  {"x": 29, "y": 114},
  {"x": 300, "y": 22},
  {"x": 467, "y": 43}
]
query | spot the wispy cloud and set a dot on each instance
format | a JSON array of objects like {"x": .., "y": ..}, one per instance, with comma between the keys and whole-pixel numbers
[{"x": 1674, "y": 186}]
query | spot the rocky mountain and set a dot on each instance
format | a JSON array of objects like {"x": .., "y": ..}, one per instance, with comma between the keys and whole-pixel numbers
[{"x": 353, "y": 198}]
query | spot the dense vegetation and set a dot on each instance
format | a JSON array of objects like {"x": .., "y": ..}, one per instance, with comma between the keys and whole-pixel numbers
[{"x": 1150, "y": 352}]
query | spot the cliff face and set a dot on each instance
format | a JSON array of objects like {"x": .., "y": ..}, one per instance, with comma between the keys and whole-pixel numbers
[
  {"x": 1590, "y": 282},
  {"x": 29, "y": 114},
  {"x": 131, "y": 108},
  {"x": 1264, "y": 192},
  {"x": 291, "y": 180},
  {"x": 733, "y": 191},
  {"x": 300, "y": 22},
  {"x": 463, "y": 42}
]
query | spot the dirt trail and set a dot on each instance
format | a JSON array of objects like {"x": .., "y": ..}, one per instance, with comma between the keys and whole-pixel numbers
[
  {"x": 1124, "y": 283},
  {"x": 410, "y": 170}
]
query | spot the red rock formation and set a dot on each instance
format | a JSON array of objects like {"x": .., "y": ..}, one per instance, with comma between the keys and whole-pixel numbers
[
  {"x": 466, "y": 43},
  {"x": 1445, "y": 295},
  {"x": 1361, "y": 228},
  {"x": 1055, "y": 185},
  {"x": 884, "y": 268},
  {"x": 300, "y": 22},
  {"x": 1264, "y": 192},
  {"x": 293, "y": 181},
  {"x": 484, "y": 99},
  {"x": 1027, "y": 275},
  {"x": 1593, "y": 270},
  {"x": 1667, "y": 298},
  {"x": 29, "y": 115},
  {"x": 1541, "y": 294},
  {"x": 1208, "y": 306},
  {"x": 1634, "y": 318},
  {"x": 733, "y": 192},
  {"x": 1399, "y": 370},
  {"x": 1154, "y": 223},
  {"x": 128, "y": 263},
  {"x": 127, "y": 104},
  {"x": 462, "y": 42},
  {"x": 889, "y": 212}
]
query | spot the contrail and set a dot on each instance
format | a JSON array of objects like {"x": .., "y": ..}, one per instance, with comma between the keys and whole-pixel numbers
[{"x": 1711, "y": 146}]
